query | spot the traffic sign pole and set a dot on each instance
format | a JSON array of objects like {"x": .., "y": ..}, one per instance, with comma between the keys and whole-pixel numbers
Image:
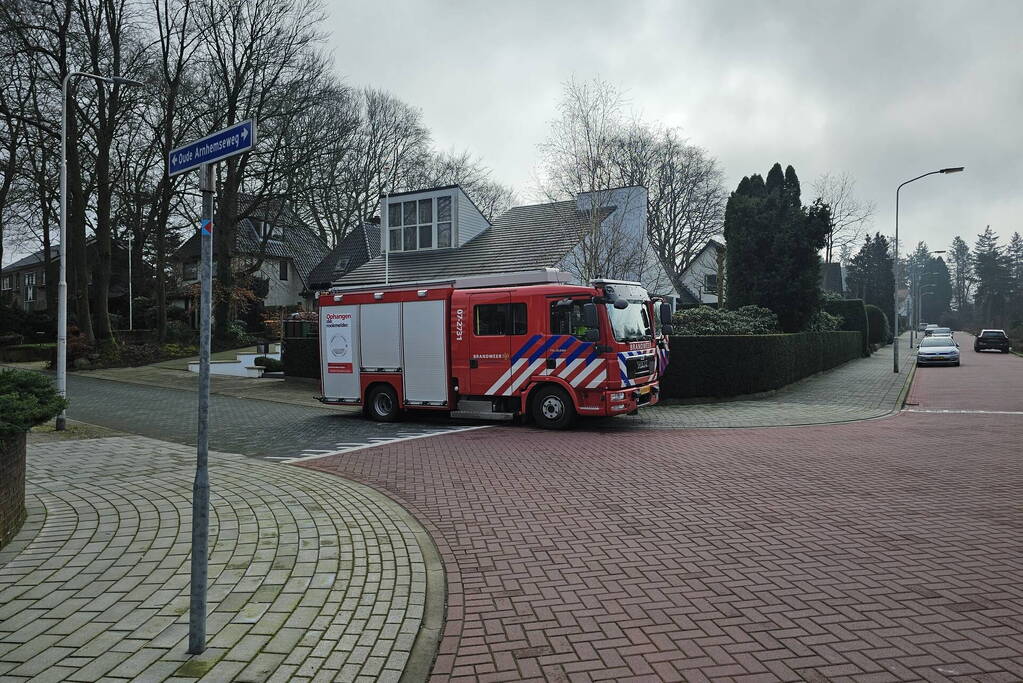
[{"x": 201, "y": 486}]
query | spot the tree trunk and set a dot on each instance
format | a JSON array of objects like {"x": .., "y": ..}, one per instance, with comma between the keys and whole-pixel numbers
[
  {"x": 223, "y": 241},
  {"x": 76, "y": 252}
]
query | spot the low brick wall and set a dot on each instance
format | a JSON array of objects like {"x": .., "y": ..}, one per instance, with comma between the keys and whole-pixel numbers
[{"x": 12, "y": 487}]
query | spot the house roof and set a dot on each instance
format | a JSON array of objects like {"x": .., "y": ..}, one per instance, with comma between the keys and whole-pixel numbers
[
  {"x": 37, "y": 257},
  {"x": 297, "y": 242},
  {"x": 358, "y": 246},
  {"x": 711, "y": 243},
  {"x": 522, "y": 238},
  {"x": 31, "y": 260}
]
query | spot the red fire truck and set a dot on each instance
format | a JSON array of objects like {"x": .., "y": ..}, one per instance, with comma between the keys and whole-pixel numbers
[{"x": 494, "y": 347}]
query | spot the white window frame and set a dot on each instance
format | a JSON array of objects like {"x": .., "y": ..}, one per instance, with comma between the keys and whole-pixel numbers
[
  {"x": 707, "y": 289},
  {"x": 398, "y": 204},
  {"x": 265, "y": 230},
  {"x": 7, "y": 282}
]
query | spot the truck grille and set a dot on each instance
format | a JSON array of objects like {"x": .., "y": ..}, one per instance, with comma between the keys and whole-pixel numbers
[{"x": 639, "y": 366}]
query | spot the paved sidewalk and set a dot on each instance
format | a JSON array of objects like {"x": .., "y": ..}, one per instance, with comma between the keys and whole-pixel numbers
[
  {"x": 311, "y": 576},
  {"x": 858, "y": 390}
]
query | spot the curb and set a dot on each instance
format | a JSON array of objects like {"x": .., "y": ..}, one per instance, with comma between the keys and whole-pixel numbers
[{"x": 900, "y": 402}]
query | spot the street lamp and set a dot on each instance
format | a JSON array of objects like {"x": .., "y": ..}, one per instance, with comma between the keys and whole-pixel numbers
[
  {"x": 895, "y": 262},
  {"x": 62, "y": 283}
]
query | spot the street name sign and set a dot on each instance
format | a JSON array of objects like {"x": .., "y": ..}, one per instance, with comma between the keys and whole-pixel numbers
[{"x": 241, "y": 137}]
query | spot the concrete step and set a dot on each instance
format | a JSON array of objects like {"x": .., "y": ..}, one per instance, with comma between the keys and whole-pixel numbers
[{"x": 231, "y": 368}]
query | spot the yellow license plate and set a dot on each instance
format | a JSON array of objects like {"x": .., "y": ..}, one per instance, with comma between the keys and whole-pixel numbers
[{"x": 644, "y": 390}]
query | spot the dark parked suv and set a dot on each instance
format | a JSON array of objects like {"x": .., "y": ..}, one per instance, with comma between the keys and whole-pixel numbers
[{"x": 991, "y": 339}]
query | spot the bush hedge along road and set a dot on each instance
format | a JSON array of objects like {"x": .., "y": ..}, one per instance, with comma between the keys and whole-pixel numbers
[
  {"x": 735, "y": 365},
  {"x": 854, "y": 318}
]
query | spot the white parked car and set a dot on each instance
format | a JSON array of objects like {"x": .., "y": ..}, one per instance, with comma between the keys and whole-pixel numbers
[{"x": 937, "y": 351}]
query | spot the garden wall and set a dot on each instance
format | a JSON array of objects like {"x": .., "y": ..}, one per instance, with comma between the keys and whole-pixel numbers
[
  {"x": 735, "y": 365},
  {"x": 12, "y": 486}
]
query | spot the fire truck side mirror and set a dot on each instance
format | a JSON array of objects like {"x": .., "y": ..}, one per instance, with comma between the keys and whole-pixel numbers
[
  {"x": 667, "y": 330},
  {"x": 665, "y": 315},
  {"x": 590, "y": 318}
]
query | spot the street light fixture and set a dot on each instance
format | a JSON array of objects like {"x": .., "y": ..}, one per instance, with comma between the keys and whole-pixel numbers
[
  {"x": 895, "y": 262},
  {"x": 62, "y": 283}
]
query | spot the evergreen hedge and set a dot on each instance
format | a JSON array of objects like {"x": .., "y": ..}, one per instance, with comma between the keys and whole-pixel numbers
[
  {"x": 735, "y": 365},
  {"x": 854, "y": 318},
  {"x": 301, "y": 357},
  {"x": 877, "y": 325}
]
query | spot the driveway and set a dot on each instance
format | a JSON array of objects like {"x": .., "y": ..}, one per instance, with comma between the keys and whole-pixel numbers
[{"x": 889, "y": 549}]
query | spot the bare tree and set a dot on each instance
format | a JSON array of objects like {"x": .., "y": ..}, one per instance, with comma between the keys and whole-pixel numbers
[
  {"x": 261, "y": 62},
  {"x": 850, "y": 216},
  {"x": 593, "y": 149},
  {"x": 491, "y": 198},
  {"x": 686, "y": 194},
  {"x": 578, "y": 158}
]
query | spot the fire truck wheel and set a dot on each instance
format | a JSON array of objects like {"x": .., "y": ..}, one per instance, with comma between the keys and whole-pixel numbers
[
  {"x": 552, "y": 408},
  {"x": 383, "y": 403}
]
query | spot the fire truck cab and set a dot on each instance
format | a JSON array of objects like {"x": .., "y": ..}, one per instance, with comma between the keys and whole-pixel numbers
[{"x": 494, "y": 347}]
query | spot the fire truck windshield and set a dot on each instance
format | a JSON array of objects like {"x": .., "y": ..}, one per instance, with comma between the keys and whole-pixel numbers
[{"x": 631, "y": 323}]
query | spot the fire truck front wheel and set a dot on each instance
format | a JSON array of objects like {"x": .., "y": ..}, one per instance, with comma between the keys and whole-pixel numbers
[
  {"x": 552, "y": 407},
  {"x": 382, "y": 403}
]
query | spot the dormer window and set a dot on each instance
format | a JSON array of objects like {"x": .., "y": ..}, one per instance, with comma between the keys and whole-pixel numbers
[
  {"x": 419, "y": 224},
  {"x": 265, "y": 230}
]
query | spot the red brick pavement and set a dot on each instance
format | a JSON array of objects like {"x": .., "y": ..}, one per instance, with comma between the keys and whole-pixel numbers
[
  {"x": 882, "y": 550},
  {"x": 985, "y": 381}
]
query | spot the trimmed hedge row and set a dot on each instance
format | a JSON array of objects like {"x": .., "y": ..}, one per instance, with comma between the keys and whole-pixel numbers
[
  {"x": 854, "y": 318},
  {"x": 25, "y": 353},
  {"x": 877, "y": 323},
  {"x": 301, "y": 357},
  {"x": 735, "y": 365}
]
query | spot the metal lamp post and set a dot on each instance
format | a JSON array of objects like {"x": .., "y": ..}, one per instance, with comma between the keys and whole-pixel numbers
[
  {"x": 895, "y": 262},
  {"x": 62, "y": 282},
  {"x": 131, "y": 318}
]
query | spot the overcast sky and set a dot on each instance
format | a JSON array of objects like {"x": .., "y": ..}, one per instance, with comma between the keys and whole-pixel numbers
[{"x": 882, "y": 90}]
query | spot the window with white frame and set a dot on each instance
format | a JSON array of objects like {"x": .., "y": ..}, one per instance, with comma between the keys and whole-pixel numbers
[
  {"x": 416, "y": 225},
  {"x": 710, "y": 283},
  {"x": 265, "y": 230},
  {"x": 7, "y": 282},
  {"x": 30, "y": 279}
]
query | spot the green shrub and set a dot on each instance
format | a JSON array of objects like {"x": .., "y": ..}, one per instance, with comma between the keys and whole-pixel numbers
[
  {"x": 179, "y": 350},
  {"x": 26, "y": 400},
  {"x": 704, "y": 320},
  {"x": 269, "y": 364},
  {"x": 736, "y": 364},
  {"x": 877, "y": 326},
  {"x": 179, "y": 332},
  {"x": 235, "y": 336},
  {"x": 854, "y": 318},
  {"x": 822, "y": 321}
]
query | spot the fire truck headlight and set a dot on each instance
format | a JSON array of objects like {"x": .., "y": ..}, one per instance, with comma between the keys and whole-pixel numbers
[{"x": 618, "y": 396}]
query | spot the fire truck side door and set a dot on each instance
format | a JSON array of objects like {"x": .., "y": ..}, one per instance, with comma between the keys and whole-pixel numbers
[{"x": 489, "y": 341}]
